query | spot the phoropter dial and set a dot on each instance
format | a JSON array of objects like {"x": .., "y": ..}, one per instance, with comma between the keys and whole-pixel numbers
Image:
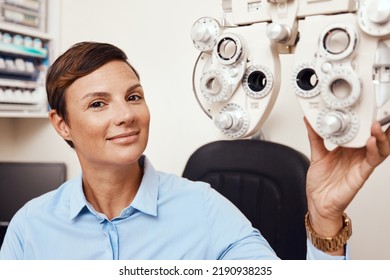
[
  {"x": 374, "y": 17},
  {"x": 305, "y": 81},
  {"x": 341, "y": 88},
  {"x": 204, "y": 33},
  {"x": 338, "y": 41},
  {"x": 232, "y": 120},
  {"x": 257, "y": 81},
  {"x": 337, "y": 126},
  {"x": 229, "y": 48},
  {"x": 216, "y": 86}
]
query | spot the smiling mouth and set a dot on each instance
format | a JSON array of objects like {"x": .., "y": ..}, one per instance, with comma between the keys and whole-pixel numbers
[{"x": 124, "y": 137}]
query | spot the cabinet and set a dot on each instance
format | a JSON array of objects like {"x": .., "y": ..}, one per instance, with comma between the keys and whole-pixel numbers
[{"x": 26, "y": 50}]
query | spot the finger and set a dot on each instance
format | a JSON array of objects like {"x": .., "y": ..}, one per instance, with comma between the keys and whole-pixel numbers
[
  {"x": 382, "y": 139},
  {"x": 317, "y": 146},
  {"x": 372, "y": 151},
  {"x": 373, "y": 158}
]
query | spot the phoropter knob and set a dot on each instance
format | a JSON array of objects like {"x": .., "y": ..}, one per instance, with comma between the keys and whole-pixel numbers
[
  {"x": 379, "y": 11},
  {"x": 278, "y": 32},
  {"x": 334, "y": 123},
  {"x": 204, "y": 33}
]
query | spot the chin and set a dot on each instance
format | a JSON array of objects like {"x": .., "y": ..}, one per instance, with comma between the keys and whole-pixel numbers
[{"x": 123, "y": 157}]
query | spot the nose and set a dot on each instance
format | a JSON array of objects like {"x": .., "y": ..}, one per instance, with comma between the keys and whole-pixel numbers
[{"x": 122, "y": 113}]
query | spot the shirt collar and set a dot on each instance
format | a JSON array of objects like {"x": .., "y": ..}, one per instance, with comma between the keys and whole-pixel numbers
[
  {"x": 77, "y": 198},
  {"x": 147, "y": 195},
  {"x": 145, "y": 200}
]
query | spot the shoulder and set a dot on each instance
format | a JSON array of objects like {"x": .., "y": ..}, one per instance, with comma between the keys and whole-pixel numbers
[
  {"x": 176, "y": 181},
  {"x": 183, "y": 186},
  {"x": 32, "y": 215},
  {"x": 196, "y": 193},
  {"x": 171, "y": 184}
]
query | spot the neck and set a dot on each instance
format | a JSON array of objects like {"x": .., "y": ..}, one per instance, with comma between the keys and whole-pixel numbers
[{"x": 109, "y": 191}]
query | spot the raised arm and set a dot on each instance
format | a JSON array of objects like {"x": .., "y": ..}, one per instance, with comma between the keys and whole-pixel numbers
[{"x": 335, "y": 177}]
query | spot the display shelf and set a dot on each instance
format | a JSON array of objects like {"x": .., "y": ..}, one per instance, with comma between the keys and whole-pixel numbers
[
  {"x": 25, "y": 54},
  {"x": 21, "y": 50},
  {"x": 28, "y": 13},
  {"x": 23, "y": 114},
  {"x": 25, "y": 30},
  {"x": 18, "y": 83},
  {"x": 17, "y": 73}
]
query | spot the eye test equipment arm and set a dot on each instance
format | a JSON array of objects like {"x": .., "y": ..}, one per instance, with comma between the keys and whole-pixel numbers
[{"x": 341, "y": 65}]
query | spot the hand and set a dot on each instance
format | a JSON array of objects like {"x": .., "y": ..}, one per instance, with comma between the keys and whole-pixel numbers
[{"x": 335, "y": 177}]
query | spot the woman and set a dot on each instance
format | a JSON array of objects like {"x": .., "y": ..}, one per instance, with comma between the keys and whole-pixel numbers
[{"x": 121, "y": 208}]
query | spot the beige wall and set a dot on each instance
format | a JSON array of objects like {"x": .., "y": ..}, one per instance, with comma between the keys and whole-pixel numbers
[{"x": 156, "y": 36}]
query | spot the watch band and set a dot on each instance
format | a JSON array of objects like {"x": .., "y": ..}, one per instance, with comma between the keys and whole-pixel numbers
[{"x": 331, "y": 243}]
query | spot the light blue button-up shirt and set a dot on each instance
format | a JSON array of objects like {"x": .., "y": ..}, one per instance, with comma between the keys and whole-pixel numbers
[{"x": 169, "y": 218}]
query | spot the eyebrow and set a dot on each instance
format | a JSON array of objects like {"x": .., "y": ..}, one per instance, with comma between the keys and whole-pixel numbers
[{"x": 105, "y": 94}]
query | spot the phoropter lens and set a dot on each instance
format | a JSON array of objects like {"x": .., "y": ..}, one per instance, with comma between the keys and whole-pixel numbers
[
  {"x": 257, "y": 81},
  {"x": 307, "y": 79}
]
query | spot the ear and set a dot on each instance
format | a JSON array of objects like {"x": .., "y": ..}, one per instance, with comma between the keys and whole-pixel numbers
[{"x": 60, "y": 125}]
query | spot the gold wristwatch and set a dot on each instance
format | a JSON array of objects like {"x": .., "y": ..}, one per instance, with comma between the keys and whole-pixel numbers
[{"x": 332, "y": 243}]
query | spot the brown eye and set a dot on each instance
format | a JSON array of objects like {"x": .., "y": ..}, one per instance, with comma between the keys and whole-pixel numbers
[
  {"x": 96, "y": 104},
  {"x": 134, "y": 98}
]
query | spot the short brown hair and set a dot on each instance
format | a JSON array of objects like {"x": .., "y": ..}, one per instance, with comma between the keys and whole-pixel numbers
[{"x": 78, "y": 61}]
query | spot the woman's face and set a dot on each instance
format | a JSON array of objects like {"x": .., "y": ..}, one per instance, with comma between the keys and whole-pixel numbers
[{"x": 108, "y": 116}]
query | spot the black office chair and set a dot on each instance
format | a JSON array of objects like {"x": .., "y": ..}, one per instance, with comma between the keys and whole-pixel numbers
[
  {"x": 3, "y": 230},
  {"x": 266, "y": 181}
]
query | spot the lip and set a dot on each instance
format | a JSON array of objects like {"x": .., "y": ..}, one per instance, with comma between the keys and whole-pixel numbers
[{"x": 124, "y": 138}]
